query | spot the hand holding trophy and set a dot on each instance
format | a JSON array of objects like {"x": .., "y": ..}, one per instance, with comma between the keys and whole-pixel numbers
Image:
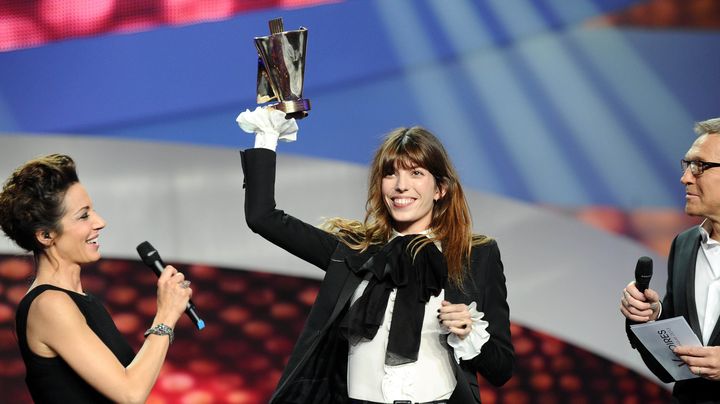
[{"x": 281, "y": 69}]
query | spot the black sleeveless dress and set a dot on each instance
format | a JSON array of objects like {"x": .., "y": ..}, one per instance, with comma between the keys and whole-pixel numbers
[{"x": 52, "y": 380}]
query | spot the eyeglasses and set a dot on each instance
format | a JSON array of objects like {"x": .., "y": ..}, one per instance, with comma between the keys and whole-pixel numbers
[{"x": 697, "y": 167}]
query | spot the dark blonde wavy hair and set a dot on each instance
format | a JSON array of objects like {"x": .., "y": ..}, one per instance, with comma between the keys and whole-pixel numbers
[{"x": 451, "y": 221}]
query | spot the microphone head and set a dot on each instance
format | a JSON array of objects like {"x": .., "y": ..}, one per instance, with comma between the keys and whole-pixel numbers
[
  {"x": 148, "y": 254},
  {"x": 643, "y": 273}
]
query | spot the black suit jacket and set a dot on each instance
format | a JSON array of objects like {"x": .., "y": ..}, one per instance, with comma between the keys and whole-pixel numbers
[
  {"x": 679, "y": 300},
  {"x": 317, "y": 369}
]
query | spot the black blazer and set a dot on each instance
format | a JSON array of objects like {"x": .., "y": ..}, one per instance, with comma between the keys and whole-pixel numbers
[
  {"x": 317, "y": 369},
  {"x": 679, "y": 300}
]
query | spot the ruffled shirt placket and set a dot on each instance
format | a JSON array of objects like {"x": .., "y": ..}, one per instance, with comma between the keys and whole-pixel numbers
[{"x": 429, "y": 378}]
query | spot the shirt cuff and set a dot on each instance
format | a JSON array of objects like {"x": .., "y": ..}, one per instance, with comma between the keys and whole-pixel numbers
[
  {"x": 266, "y": 141},
  {"x": 659, "y": 311},
  {"x": 470, "y": 346},
  {"x": 269, "y": 126}
]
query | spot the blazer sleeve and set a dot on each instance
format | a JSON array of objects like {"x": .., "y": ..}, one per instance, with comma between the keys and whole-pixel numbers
[
  {"x": 293, "y": 235},
  {"x": 668, "y": 311},
  {"x": 486, "y": 286}
]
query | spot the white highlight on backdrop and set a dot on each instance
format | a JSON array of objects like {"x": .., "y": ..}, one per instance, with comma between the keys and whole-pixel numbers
[{"x": 564, "y": 278}]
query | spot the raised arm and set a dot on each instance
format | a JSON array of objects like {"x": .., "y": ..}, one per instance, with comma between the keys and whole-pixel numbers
[{"x": 295, "y": 236}]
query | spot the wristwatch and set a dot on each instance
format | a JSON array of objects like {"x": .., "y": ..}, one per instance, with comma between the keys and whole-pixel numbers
[{"x": 161, "y": 329}]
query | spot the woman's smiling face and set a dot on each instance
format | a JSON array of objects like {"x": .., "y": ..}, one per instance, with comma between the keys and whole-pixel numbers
[
  {"x": 81, "y": 225},
  {"x": 409, "y": 195}
]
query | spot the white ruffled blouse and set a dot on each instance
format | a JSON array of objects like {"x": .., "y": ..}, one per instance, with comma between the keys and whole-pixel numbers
[{"x": 431, "y": 377}]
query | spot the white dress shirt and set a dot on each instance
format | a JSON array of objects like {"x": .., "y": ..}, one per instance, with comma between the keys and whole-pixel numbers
[
  {"x": 431, "y": 377},
  {"x": 707, "y": 282}
]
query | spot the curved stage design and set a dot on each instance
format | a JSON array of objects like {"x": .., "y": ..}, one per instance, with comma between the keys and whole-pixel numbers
[{"x": 563, "y": 276}]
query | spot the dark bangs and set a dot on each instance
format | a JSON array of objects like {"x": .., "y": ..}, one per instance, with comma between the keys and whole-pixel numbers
[{"x": 406, "y": 152}]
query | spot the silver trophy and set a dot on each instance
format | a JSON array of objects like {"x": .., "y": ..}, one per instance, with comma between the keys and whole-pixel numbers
[{"x": 281, "y": 68}]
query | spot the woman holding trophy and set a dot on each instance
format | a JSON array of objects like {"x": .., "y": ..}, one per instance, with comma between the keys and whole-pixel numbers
[{"x": 413, "y": 304}]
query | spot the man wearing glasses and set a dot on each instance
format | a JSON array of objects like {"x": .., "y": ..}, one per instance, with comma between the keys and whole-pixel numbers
[{"x": 693, "y": 287}]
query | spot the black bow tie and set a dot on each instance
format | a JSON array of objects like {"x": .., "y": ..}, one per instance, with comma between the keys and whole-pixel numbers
[{"x": 416, "y": 278}]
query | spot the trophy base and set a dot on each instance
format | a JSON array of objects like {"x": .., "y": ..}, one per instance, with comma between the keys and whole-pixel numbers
[{"x": 293, "y": 109}]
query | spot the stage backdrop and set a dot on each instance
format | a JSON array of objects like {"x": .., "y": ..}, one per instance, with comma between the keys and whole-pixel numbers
[{"x": 566, "y": 121}]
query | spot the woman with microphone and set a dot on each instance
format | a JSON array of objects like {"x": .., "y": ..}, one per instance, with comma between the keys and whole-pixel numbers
[{"x": 72, "y": 350}]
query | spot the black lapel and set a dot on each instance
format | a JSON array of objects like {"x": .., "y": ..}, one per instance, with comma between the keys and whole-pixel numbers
[
  {"x": 684, "y": 275},
  {"x": 714, "y": 335},
  {"x": 339, "y": 263},
  {"x": 351, "y": 283}
]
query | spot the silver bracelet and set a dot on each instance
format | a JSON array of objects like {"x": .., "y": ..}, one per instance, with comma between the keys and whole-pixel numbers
[{"x": 161, "y": 329}]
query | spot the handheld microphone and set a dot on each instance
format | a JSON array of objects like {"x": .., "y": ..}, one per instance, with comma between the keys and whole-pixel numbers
[
  {"x": 151, "y": 258},
  {"x": 643, "y": 273}
]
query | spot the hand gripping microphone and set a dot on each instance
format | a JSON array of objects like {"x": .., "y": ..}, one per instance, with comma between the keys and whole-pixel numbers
[
  {"x": 151, "y": 258},
  {"x": 643, "y": 273}
]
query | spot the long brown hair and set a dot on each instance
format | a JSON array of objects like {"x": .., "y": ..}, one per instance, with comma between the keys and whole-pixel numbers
[{"x": 451, "y": 221}]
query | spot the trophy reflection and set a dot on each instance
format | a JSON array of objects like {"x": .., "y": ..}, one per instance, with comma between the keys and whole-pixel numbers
[{"x": 281, "y": 68}]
